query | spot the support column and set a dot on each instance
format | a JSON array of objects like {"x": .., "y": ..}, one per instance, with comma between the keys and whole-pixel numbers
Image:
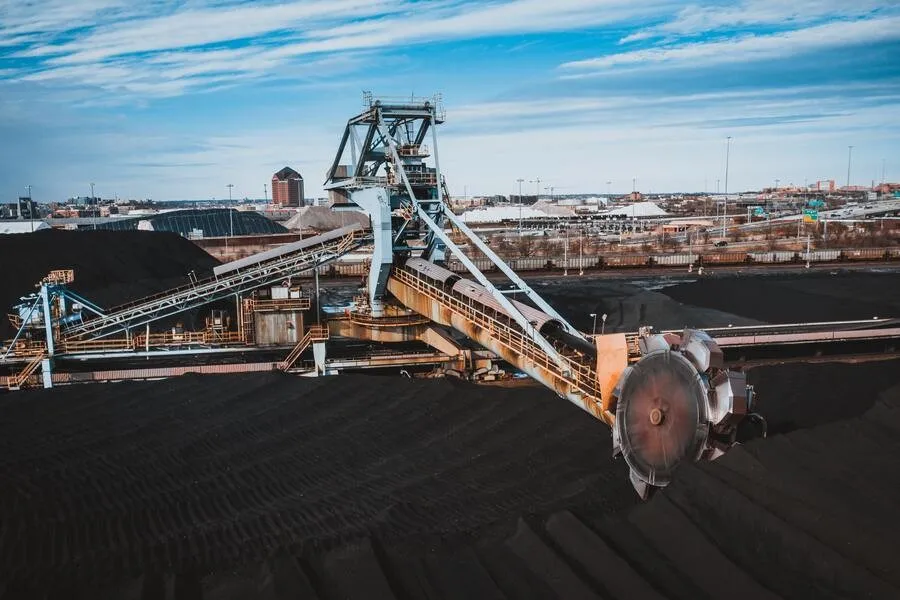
[
  {"x": 376, "y": 203},
  {"x": 319, "y": 357},
  {"x": 46, "y": 374},
  {"x": 48, "y": 318}
]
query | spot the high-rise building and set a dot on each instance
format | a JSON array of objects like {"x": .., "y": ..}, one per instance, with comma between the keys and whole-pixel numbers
[{"x": 287, "y": 188}]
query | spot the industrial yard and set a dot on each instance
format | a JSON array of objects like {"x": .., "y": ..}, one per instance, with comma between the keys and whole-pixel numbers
[
  {"x": 397, "y": 405},
  {"x": 270, "y": 485}
]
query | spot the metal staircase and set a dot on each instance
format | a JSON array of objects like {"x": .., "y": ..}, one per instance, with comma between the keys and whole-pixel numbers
[
  {"x": 237, "y": 277},
  {"x": 19, "y": 380},
  {"x": 316, "y": 333}
]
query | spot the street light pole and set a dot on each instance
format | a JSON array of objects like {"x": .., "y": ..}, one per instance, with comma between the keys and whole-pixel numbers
[
  {"x": 594, "y": 329},
  {"x": 849, "y": 157},
  {"x": 581, "y": 252},
  {"x": 92, "y": 201},
  {"x": 230, "y": 221},
  {"x": 520, "y": 180},
  {"x": 30, "y": 208},
  {"x": 725, "y": 205}
]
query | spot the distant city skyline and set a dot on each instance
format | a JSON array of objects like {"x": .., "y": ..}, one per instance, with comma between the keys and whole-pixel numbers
[{"x": 172, "y": 100}]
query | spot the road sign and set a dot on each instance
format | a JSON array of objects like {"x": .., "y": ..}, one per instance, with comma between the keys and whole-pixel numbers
[{"x": 810, "y": 215}]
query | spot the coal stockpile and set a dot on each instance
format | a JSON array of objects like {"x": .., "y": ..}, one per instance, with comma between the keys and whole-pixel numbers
[
  {"x": 796, "y": 298},
  {"x": 802, "y": 395},
  {"x": 111, "y": 267},
  {"x": 631, "y": 303},
  {"x": 200, "y": 476},
  {"x": 271, "y": 486}
]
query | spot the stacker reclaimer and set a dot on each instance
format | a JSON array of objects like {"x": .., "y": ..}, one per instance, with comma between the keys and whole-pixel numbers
[{"x": 668, "y": 397}]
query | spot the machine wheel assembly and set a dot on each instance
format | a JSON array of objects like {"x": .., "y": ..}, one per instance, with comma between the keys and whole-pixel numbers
[{"x": 676, "y": 404}]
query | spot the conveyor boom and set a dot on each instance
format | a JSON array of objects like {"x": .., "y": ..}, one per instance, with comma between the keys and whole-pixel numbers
[{"x": 239, "y": 276}]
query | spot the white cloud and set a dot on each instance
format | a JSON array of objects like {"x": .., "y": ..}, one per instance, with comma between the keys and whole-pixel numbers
[
  {"x": 751, "y": 47},
  {"x": 696, "y": 19},
  {"x": 198, "y": 27},
  {"x": 188, "y": 42}
]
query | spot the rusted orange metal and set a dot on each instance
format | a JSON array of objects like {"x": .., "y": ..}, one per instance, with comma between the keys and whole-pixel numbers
[
  {"x": 500, "y": 335},
  {"x": 612, "y": 359}
]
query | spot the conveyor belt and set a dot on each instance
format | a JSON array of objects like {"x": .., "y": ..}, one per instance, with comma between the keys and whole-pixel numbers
[{"x": 239, "y": 276}]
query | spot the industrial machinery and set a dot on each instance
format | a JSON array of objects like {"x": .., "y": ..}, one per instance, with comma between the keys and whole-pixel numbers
[{"x": 668, "y": 397}]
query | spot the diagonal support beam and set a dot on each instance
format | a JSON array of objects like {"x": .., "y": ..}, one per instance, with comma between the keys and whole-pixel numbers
[{"x": 508, "y": 306}]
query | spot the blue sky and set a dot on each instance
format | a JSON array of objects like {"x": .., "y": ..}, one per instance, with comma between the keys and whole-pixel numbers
[{"x": 174, "y": 99}]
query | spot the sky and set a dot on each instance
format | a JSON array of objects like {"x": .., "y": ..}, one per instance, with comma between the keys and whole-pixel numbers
[{"x": 175, "y": 99}]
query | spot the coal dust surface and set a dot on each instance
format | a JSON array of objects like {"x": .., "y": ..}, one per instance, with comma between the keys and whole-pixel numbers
[
  {"x": 273, "y": 486},
  {"x": 726, "y": 298},
  {"x": 111, "y": 267},
  {"x": 631, "y": 303},
  {"x": 798, "y": 297}
]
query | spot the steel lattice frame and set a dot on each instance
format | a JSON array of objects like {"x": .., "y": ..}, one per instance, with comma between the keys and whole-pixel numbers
[{"x": 210, "y": 290}]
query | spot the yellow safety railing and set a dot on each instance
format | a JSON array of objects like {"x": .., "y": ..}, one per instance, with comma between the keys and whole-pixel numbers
[
  {"x": 302, "y": 303},
  {"x": 316, "y": 333},
  {"x": 15, "y": 382},
  {"x": 582, "y": 376}
]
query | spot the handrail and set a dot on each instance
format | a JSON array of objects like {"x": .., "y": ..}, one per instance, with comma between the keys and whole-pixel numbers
[
  {"x": 15, "y": 382},
  {"x": 316, "y": 333},
  {"x": 512, "y": 338}
]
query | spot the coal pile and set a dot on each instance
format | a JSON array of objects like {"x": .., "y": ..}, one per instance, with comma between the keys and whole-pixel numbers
[
  {"x": 271, "y": 486},
  {"x": 631, "y": 303},
  {"x": 803, "y": 395},
  {"x": 796, "y": 298},
  {"x": 200, "y": 476},
  {"x": 111, "y": 267}
]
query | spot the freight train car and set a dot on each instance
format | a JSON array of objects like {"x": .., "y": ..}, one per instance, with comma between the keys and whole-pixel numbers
[
  {"x": 626, "y": 261},
  {"x": 864, "y": 254},
  {"x": 725, "y": 258}
]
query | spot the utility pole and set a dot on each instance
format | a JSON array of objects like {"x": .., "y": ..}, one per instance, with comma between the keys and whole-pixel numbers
[
  {"x": 266, "y": 193},
  {"x": 725, "y": 205},
  {"x": 849, "y": 157}
]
